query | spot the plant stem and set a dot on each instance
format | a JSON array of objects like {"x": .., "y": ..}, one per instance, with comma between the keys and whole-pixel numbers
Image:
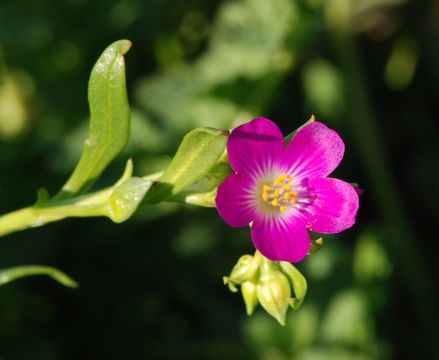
[{"x": 33, "y": 216}]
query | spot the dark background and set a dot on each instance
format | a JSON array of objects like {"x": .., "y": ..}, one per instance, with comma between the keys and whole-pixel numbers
[{"x": 151, "y": 288}]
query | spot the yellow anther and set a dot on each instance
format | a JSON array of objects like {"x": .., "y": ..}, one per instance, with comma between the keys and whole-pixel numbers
[
  {"x": 266, "y": 187},
  {"x": 294, "y": 193},
  {"x": 280, "y": 179},
  {"x": 287, "y": 187},
  {"x": 265, "y": 196},
  {"x": 286, "y": 196},
  {"x": 276, "y": 193},
  {"x": 283, "y": 208},
  {"x": 275, "y": 202},
  {"x": 292, "y": 201}
]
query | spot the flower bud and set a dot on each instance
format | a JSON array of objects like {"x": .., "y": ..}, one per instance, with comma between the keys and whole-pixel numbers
[
  {"x": 244, "y": 270},
  {"x": 273, "y": 291},
  {"x": 248, "y": 290},
  {"x": 297, "y": 282}
]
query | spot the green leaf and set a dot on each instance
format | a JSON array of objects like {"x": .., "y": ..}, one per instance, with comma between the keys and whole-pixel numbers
[
  {"x": 126, "y": 198},
  {"x": 109, "y": 119},
  {"x": 206, "y": 199},
  {"x": 214, "y": 177},
  {"x": 196, "y": 155},
  {"x": 297, "y": 281},
  {"x": 14, "y": 273}
]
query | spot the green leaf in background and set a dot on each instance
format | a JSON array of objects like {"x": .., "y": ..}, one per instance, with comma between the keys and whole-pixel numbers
[
  {"x": 14, "y": 273},
  {"x": 109, "y": 119},
  {"x": 297, "y": 281},
  {"x": 196, "y": 155}
]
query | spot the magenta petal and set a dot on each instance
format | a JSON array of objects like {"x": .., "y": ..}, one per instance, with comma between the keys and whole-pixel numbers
[
  {"x": 255, "y": 146},
  {"x": 235, "y": 200},
  {"x": 335, "y": 206},
  {"x": 281, "y": 239},
  {"x": 315, "y": 151}
]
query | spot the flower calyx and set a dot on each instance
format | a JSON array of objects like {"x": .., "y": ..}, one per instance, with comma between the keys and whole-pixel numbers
[{"x": 275, "y": 285}]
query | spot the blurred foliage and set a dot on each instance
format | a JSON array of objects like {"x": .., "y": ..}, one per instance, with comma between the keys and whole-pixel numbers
[{"x": 151, "y": 287}]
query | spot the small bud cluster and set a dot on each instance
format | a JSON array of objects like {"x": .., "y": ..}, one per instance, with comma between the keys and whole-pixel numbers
[{"x": 274, "y": 284}]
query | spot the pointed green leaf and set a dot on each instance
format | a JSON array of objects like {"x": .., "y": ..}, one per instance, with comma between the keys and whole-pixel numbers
[
  {"x": 126, "y": 198},
  {"x": 196, "y": 155},
  {"x": 109, "y": 119},
  {"x": 206, "y": 199},
  {"x": 14, "y": 273}
]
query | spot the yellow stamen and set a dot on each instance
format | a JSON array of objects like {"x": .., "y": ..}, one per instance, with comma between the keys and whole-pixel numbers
[
  {"x": 280, "y": 180},
  {"x": 278, "y": 194}
]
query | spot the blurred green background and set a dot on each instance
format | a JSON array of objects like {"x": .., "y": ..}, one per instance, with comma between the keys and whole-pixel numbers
[{"x": 151, "y": 288}]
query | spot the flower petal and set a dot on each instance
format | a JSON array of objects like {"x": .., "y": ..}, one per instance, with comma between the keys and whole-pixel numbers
[
  {"x": 315, "y": 151},
  {"x": 254, "y": 147},
  {"x": 335, "y": 207},
  {"x": 281, "y": 239},
  {"x": 235, "y": 200}
]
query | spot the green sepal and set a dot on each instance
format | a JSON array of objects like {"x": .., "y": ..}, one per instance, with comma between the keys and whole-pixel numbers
[
  {"x": 18, "y": 272},
  {"x": 196, "y": 155},
  {"x": 109, "y": 119},
  {"x": 290, "y": 135},
  {"x": 316, "y": 245},
  {"x": 230, "y": 284},
  {"x": 297, "y": 282}
]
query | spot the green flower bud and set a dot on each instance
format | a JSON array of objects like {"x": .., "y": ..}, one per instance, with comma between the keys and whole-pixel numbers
[
  {"x": 273, "y": 291},
  {"x": 297, "y": 282},
  {"x": 244, "y": 270},
  {"x": 230, "y": 284},
  {"x": 248, "y": 290}
]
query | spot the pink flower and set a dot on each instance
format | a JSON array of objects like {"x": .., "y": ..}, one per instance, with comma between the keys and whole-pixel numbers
[{"x": 285, "y": 191}]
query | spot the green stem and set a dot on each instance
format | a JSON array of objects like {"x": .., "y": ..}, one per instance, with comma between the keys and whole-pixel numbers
[
  {"x": 93, "y": 204},
  {"x": 38, "y": 215},
  {"x": 14, "y": 273}
]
